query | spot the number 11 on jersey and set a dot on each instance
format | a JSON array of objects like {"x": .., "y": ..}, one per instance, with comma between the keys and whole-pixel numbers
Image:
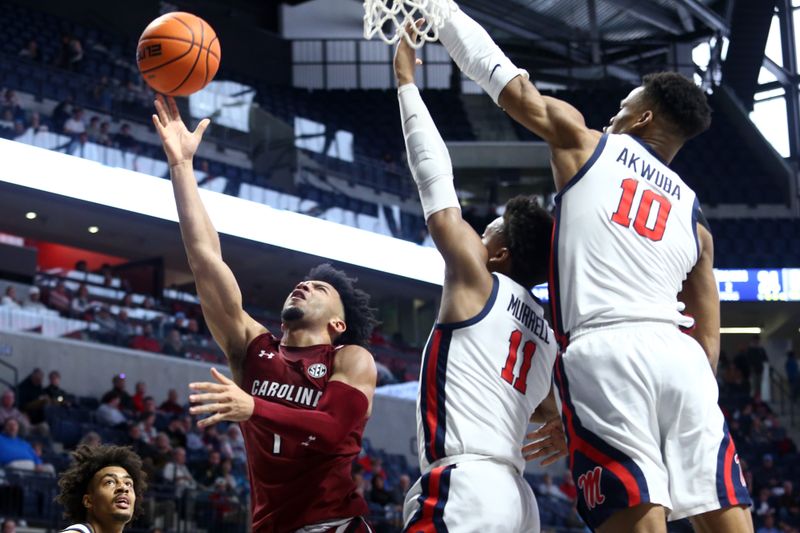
[{"x": 507, "y": 373}]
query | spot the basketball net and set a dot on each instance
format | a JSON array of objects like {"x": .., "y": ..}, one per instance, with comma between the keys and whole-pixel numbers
[{"x": 388, "y": 19}]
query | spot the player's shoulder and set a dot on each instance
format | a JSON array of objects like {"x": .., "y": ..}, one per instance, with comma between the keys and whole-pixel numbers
[
  {"x": 353, "y": 358},
  {"x": 78, "y": 528},
  {"x": 264, "y": 340}
]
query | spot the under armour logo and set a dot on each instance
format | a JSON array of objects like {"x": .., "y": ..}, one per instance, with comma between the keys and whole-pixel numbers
[
  {"x": 308, "y": 441},
  {"x": 269, "y": 355},
  {"x": 590, "y": 484}
]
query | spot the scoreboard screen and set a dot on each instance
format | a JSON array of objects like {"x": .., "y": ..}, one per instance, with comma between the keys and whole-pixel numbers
[
  {"x": 759, "y": 285},
  {"x": 744, "y": 285}
]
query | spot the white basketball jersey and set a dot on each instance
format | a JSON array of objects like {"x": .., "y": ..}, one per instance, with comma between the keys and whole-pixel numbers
[
  {"x": 481, "y": 379},
  {"x": 624, "y": 240}
]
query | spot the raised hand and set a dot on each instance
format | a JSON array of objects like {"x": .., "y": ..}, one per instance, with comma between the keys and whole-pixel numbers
[
  {"x": 180, "y": 144},
  {"x": 224, "y": 400},
  {"x": 405, "y": 58}
]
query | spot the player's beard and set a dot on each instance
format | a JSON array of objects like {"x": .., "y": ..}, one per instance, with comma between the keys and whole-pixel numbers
[
  {"x": 292, "y": 314},
  {"x": 122, "y": 517}
]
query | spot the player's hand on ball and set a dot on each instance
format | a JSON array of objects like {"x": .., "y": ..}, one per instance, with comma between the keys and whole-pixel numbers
[
  {"x": 180, "y": 144},
  {"x": 548, "y": 442},
  {"x": 405, "y": 58},
  {"x": 224, "y": 400}
]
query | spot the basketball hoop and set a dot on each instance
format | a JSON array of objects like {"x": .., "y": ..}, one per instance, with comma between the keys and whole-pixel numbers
[{"x": 388, "y": 19}]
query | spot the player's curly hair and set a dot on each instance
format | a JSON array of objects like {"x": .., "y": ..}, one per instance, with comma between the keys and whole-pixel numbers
[
  {"x": 87, "y": 461},
  {"x": 682, "y": 102},
  {"x": 528, "y": 229},
  {"x": 358, "y": 315}
]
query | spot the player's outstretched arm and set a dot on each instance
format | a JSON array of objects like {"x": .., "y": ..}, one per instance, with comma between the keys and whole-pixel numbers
[
  {"x": 219, "y": 293},
  {"x": 346, "y": 402},
  {"x": 701, "y": 297},
  {"x": 429, "y": 160},
  {"x": 557, "y": 122}
]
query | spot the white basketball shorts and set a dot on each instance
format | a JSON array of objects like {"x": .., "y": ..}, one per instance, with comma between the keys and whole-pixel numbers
[
  {"x": 470, "y": 497},
  {"x": 640, "y": 411}
]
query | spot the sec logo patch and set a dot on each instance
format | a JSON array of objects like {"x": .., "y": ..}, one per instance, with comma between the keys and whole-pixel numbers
[{"x": 317, "y": 370}]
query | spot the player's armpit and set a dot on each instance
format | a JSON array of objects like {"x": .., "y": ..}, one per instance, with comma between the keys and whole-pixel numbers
[{"x": 701, "y": 297}]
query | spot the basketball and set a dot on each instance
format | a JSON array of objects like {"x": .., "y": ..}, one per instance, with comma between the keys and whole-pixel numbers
[{"x": 178, "y": 54}]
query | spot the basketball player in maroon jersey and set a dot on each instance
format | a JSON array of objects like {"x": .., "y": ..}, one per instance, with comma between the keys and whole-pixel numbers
[{"x": 303, "y": 397}]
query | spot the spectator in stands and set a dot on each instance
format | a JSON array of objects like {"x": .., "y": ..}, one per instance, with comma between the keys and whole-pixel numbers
[
  {"x": 118, "y": 388},
  {"x": 124, "y": 140},
  {"x": 210, "y": 470},
  {"x": 226, "y": 477},
  {"x": 756, "y": 357},
  {"x": 11, "y": 102},
  {"x": 9, "y": 411},
  {"x": 140, "y": 392},
  {"x": 9, "y": 526},
  {"x": 34, "y": 303},
  {"x": 36, "y": 124},
  {"x": 57, "y": 395},
  {"x": 104, "y": 137},
  {"x": 147, "y": 428},
  {"x": 59, "y": 299},
  {"x": 81, "y": 306},
  {"x": 401, "y": 489},
  {"x": 101, "y": 94},
  {"x": 211, "y": 438},
  {"x": 106, "y": 325},
  {"x": 177, "y": 474},
  {"x": 149, "y": 406},
  {"x": 10, "y": 298},
  {"x": 234, "y": 444},
  {"x": 135, "y": 441},
  {"x": 146, "y": 341},
  {"x": 171, "y": 405},
  {"x": 7, "y": 122},
  {"x": 763, "y": 505},
  {"x": 793, "y": 374},
  {"x": 76, "y": 124},
  {"x": 194, "y": 439},
  {"x": 32, "y": 396},
  {"x": 176, "y": 433},
  {"x": 769, "y": 525},
  {"x": 93, "y": 129},
  {"x": 18, "y": 453},
  {"x": 125, "y": 327},
  {"x": 378, "y": 493},
  {"x": 109, "y": 413},
  {"x": 71, "y": 53},
  {"x": 31, "y": 51},
  {"x": 173, "y": 345},
  {"x": 90, "y": 439},
  {"x": 162, "y": 453},
  {"x": 62, "y": 112}
]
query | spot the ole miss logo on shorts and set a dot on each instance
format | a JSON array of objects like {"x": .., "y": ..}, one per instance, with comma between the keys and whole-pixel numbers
[{"x": 589, "y": 483}]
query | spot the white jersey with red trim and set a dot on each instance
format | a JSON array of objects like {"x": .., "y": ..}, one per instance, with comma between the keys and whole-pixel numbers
[
  {"x": 624, "y": 241},
  {"x": 481, "y": 379}
]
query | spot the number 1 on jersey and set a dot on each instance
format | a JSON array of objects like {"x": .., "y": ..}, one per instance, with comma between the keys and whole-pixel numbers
[
  {"x": 276, "y": 444},
  {"x": 623, "y": 212},
  {"x": 507, "y": 373}
]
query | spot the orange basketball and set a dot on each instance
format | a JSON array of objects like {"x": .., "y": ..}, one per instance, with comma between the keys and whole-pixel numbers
[{"x": 178, "y": 54}]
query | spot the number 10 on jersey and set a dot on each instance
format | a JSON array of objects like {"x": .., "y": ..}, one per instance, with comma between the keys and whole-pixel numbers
[{"x": 507, "y": 373}]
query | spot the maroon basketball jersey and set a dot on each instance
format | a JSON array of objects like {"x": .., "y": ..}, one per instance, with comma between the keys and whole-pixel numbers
[{"x": 292, "y": 485}]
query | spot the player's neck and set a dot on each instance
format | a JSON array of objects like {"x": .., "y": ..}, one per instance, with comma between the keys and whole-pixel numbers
[
  {"x": 299, "y": 337},
  {"x": 112, "y": 526},
  {"x": 664, "y": 146}
]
